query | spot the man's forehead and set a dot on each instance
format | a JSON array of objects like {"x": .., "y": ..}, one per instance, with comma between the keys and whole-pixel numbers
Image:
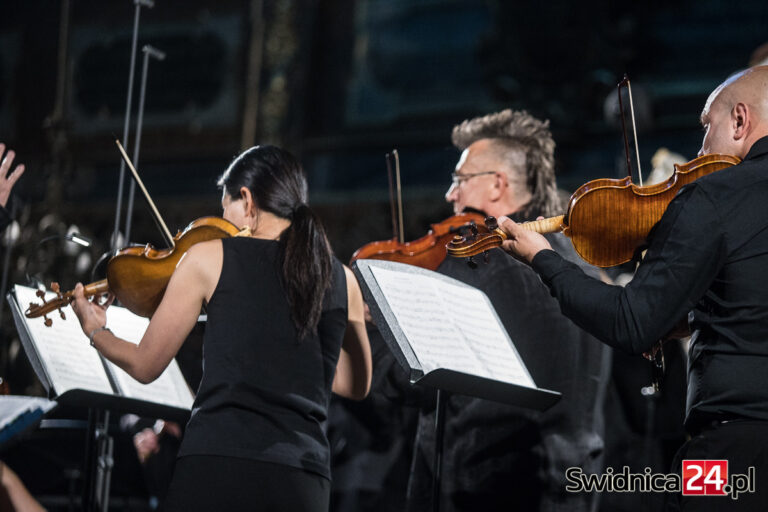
[
  {"x": 462, "y": 159},
  {"x": 476, "y": 154}
]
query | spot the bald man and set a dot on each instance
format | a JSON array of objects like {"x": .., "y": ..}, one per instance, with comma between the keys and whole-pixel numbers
[{"x": 708, "y": 259}]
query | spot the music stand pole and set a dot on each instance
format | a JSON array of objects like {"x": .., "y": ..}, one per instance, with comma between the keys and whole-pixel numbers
[
  {"x": 104, "y": 464},
  {"x": 437, "y": 465},
  {"x": 98, "y": 463},
  {"x": 90, "y": 461}
]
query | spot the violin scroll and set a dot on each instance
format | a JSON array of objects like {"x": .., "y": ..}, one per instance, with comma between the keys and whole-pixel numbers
[
  {"x": 61, "y": 300},
  {"x": 466, "y": 246},
  {"x": 36, "y": 310}
]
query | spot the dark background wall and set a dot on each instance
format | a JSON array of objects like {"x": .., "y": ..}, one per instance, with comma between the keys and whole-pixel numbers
[{"x": 339, "y": 83}]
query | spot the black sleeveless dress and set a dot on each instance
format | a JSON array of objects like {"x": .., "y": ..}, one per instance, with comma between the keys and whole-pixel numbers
[{"x": 256, "y": 438}]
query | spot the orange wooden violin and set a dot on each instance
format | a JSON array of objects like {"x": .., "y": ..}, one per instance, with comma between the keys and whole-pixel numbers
[
  {"x": 429, "y": 251},
  {"x": 138, "y": 276},
  {"x": 607, "y": 219}
]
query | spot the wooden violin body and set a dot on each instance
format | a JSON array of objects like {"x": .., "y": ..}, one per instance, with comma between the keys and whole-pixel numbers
[
  {"x": 138, "y": 276},
  {"x": 608, "y": 219},
  {"x": 428, "y": 251}
]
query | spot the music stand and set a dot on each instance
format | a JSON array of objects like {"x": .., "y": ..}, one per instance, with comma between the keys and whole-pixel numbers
[
  {"x": 105, "y": 389},
  {"x": 389, "y": 295}
]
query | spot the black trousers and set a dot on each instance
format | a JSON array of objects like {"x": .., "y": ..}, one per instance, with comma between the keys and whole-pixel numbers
[
  {"x": 743, "y": 444},
  {"x": 207, "y": 482}
]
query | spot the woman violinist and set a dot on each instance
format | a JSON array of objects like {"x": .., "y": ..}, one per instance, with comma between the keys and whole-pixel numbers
[{"x": 285, "y": 328}]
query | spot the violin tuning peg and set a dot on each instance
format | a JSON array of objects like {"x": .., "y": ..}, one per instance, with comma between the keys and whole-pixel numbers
[
  {"x": 486, "y": 257},
  {"x": 47, "y": 321},
  {"x": 471, "y": 262},
  {"x": 62, "y": 315},
  {"x": 491, "y": 223},
  {"x": 41, "y": 295},
  {"x": 55, "y": 287},
  {"x": 473, "y": 229}
]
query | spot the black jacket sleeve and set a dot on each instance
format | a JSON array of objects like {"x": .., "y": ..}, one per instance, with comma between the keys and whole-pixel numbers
[{"x": 687, "y": 249}]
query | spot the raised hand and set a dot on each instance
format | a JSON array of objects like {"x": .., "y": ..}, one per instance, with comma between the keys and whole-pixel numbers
[{"x": 7, "y": 181}]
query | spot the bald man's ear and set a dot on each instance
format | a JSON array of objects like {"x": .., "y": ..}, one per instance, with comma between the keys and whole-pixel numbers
[{"x": 740, "y": 120}]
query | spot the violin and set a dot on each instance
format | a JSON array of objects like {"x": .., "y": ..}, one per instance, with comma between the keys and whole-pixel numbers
[
  {"x": 607, "y": 220},
  {"x": 429, "y": 251},
  {"x": 138, "y": 276}
]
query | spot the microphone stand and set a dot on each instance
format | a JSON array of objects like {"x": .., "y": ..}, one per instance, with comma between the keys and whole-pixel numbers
[
  {"x": 149, "y": 51},
  {"x": 99, "y": 441},
  {"x": 126, "y": 125}
]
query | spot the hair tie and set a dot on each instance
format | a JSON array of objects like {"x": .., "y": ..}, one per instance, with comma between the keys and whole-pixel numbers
[{"x": 299, "y": 208}]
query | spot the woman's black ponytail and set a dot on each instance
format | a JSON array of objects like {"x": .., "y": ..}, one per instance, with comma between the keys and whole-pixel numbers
[
  {"x": 306, "y": 268},
  {"x": 278, "y": 185}
]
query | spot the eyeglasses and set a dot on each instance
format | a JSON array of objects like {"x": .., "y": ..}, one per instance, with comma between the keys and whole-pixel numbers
[{"x": 457, "y": 179}]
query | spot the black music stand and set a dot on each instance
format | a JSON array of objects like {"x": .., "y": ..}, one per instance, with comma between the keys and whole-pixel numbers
[
  {"x": 444, "y": 380},
  {"x": 98, "y": 460}
]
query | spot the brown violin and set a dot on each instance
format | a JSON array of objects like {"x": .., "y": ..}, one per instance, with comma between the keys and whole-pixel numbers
[
  {"x": 138, "y": 276},
  {"x": 429, "y": 251},
  {"x": 607, "y": 219}
]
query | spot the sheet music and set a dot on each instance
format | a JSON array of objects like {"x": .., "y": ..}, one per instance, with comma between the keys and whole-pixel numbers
[
  {"x": 168, "y": 389},
  {"x": 72, "y": 363},
  {"x": 451, "y": 326},
  {"x": 11, "y": 407},
  {"x": 65, "y": 352}
]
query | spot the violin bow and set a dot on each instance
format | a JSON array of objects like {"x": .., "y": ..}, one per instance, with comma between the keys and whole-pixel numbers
[
  {"x": 158, "y": 218},
  {"x": 625, "y": 81},
  {"x": 397, "y": 225},
  {"x": 657, "y": 352},
  {"x": 387, "y": 160}
]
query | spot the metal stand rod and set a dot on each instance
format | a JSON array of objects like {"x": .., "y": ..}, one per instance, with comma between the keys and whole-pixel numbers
[
  {"x": 104, "y": 465},
  {"x": 89, "y": 462},
  {"x": 437, "y": 466},
  {"x": 149, "y": 51},
  {"x": 98, "y": 463},
  {"x": 126, "y": 124}
]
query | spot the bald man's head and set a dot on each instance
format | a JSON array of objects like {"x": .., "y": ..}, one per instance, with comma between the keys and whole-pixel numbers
[{"x": 736, "y": 113}]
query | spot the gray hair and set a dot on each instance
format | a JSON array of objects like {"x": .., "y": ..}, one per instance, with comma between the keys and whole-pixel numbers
[{"x": 518, "y": 131}]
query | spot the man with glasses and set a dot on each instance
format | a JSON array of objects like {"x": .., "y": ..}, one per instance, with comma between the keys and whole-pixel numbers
[{"x": 497, "y": 457}]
